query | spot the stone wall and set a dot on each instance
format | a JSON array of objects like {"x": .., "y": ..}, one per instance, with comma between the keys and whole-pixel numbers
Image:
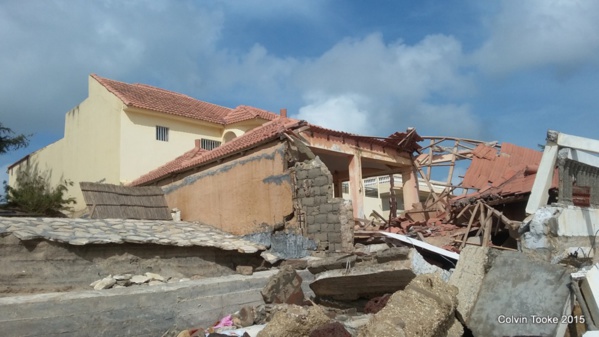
[{"x": 325, "y": 219}]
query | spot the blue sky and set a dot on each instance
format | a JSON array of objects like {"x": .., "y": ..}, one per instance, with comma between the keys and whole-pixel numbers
[{"x": 504, "y": 70}]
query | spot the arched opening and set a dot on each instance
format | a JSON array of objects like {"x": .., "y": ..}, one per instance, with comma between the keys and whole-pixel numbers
[{"x": 229, "y": 136}]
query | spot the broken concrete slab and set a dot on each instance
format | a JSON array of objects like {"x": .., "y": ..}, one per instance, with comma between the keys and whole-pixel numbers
[
  {"x": 369, "y": 279},
  {"x": 331, "y": 263},
  {"x": 521, "y": 296},
  {"x": 590, "y": 291},
  {"x": 284, "y": 287},
  {"x": 432, "y": 304},
  {"x": 468, "y": 277}
]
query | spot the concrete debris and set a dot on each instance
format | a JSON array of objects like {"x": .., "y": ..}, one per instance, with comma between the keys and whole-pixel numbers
[
  {"x": 297, "y": 264},
  {"x": 140, "y": 279},
  {"x": 537, "y": 296},
  {"x": 284, "y": 287},
  {"x": 244, "y": 270},
  {"x": 295, "y": 321},
  {"x": 245, "y": 317},
  {"x": 468, "y": 277},
  {"x": 368, "y": 278},
  {"x": 376, "y": 304},
  {"x": 155, "y": 277},
  {"x": 126, "y": 280},
  {"x": 590, "y": 291},
  {"x": 332, "y": 329},
  {"x": 104, "y": 283},
  {"x": 432, "y": 304}
]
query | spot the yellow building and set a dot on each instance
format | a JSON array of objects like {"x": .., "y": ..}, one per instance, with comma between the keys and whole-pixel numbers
[{"x": 122, "y": 131}]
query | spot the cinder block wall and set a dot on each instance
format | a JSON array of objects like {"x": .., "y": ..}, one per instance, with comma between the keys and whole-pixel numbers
[{"x": 324, "y": 219}]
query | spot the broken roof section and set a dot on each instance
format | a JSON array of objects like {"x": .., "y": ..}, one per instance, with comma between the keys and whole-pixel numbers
[
  {"x": 509, "y": 172},
  {"x": 148, "y": 97}
]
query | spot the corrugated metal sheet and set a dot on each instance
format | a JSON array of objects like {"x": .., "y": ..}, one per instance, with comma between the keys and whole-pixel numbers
[{"x": 106, "y": 201}]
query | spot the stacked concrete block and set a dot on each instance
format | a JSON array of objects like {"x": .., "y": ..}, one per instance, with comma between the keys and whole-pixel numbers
[{"x": 326, "y": 218}]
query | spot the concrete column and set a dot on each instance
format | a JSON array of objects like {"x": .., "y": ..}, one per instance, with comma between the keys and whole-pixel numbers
[
  {"x": 337, "y": 186},
  {"x": 356, "y": 185},
  {"x": 410, "y": 187}
]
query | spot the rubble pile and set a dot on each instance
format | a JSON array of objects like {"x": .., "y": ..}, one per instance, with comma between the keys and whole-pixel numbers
[
  {"x": 127, "y": 280},
  {"x": 352, "y": 292}
]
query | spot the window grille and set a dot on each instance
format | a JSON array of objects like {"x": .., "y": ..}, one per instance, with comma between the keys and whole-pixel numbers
[
  {"x": 162, "y": 133},
  {"x": 208, "y": 144}
]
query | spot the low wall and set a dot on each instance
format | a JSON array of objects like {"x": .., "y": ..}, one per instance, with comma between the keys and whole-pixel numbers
[
  {"x": 160, "y": 310},
  {"x": 37, "y": 266}
]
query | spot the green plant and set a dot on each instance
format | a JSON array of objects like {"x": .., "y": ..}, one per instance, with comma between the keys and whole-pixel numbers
[
  {"x": 33, "y": 193},
  {"x": 9, "y": 142}
]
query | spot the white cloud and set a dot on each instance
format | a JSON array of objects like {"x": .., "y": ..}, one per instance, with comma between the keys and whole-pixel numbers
[
  {"x": 344, "y": 112},
  {"x": 49, "y": 48},
  {"x": 375, "y": 68},
  {"x": 535, "y": 33},
  {"x": 405, "y": 85},
  {"x": 455, "y": 120}
]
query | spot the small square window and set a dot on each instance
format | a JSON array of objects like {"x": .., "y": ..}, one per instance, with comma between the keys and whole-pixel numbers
[{"x": 162, "y": 133}]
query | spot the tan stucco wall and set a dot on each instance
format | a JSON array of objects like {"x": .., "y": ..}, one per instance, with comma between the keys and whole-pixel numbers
[
  {"x": 238, "y": 196},
  {"x": 141, "y": 152}
]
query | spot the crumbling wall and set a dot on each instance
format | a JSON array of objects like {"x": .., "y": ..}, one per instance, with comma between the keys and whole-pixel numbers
[
  {"x": 36, "y": 266},
  {"x": 578, "y": 183},
  {"x": 249, "y": 194},
  {"x": 556, "y": 232},
  {"x": 325, "y": 219}
]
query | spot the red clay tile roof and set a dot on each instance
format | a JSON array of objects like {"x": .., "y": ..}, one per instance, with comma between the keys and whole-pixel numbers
[
  {"x": 244, "y": 112},
  {"x": 160, "y": 100},
  {"x": 190, "y": 159},
  {"x": 512, "y": 171},
  {"x": 266, "y": 132}
]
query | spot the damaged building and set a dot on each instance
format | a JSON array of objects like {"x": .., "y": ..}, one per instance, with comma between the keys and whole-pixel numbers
[
  {"x": 286, "y": 176},
  {"x": 248, "y": 231}
]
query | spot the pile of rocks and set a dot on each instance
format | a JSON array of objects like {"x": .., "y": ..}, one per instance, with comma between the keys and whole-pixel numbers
[
  {"x": 126, "y": 280},
  {"x": 394, "y": 272}
]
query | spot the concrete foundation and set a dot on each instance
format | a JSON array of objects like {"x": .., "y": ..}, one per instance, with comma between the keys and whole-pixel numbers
[{"x": 161, "y": 310}]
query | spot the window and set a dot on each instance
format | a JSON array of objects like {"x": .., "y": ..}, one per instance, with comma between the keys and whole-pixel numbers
[
  {"x": 208, "y": 144},
  {"x": 162, "y": 133}
]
